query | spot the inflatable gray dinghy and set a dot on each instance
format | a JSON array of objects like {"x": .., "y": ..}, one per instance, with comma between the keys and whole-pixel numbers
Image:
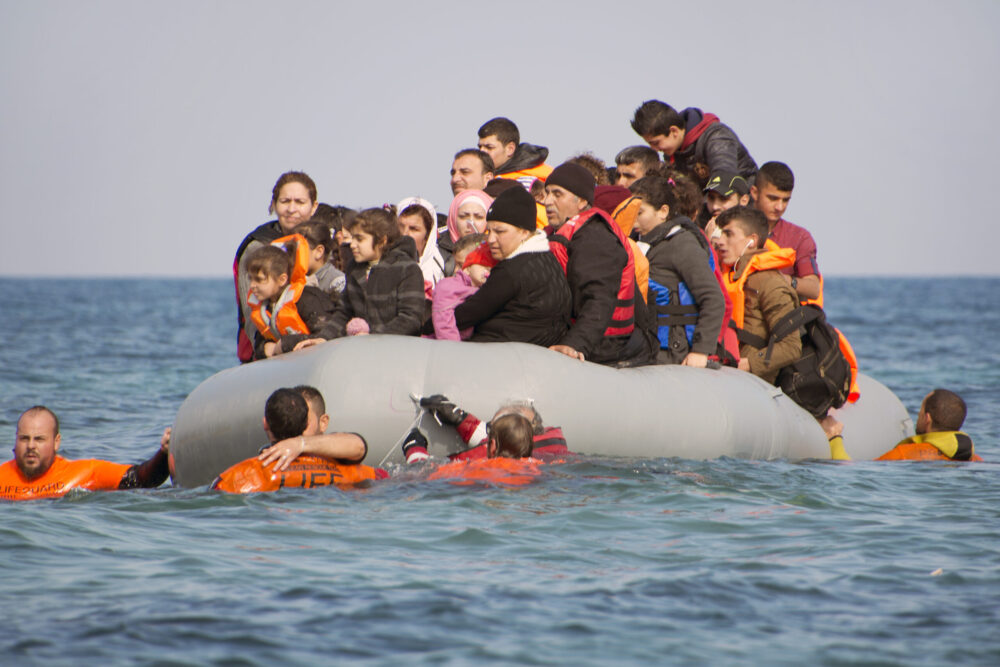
[{"x": 369, "y": 383}]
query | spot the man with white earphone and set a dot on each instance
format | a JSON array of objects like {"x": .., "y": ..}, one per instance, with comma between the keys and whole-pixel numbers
[{"x": 760, "y": 294}]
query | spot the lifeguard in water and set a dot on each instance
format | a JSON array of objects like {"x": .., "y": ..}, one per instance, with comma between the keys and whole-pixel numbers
[{"x": 37, "y": 470}]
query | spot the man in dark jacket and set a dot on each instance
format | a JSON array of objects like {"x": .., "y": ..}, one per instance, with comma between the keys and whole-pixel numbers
[
  {"x": 693, "y": 140},
  {"x": 518, "y": 161},
  {"x": 599, "y": 266}
]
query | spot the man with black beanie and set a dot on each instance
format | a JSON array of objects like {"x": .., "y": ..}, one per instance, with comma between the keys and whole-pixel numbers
[{"x": 600, "y": 268}]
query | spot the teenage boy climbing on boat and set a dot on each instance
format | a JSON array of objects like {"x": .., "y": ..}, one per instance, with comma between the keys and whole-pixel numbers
[{"x": 693, "y": 140}]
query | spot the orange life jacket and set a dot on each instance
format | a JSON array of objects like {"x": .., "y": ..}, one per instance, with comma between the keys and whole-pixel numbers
[
  {"x": 284, "y": 318},
  {"x": 624, "y": 216},
  {"x": 500, "y": 470},
  {"x": 772, "y": 257},
  {"x": 61, "y": 477},
  {"x": 306, "y": 472},
  {"x": 528, "y": 176},
  {"x": 848, "y": 351},
  {"x": 623, "y": 318},
  {"x": 936, "y": 446}
]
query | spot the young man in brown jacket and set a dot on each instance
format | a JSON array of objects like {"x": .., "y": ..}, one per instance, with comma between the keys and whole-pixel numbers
[{"x": 761, "y": 296}]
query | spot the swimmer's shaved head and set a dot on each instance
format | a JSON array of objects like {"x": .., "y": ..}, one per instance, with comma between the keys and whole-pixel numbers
[
  {"x": 37, "y": 441},
  {"x": 36, "y": 409}
]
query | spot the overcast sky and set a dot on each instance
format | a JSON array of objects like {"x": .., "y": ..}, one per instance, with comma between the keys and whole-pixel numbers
[{"x": 143, "y": 138}]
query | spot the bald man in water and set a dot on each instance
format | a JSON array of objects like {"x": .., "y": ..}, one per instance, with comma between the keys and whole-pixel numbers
[{"x": 37, "y": 470}]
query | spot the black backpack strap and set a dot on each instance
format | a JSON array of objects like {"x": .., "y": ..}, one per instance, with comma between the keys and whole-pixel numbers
[{"x": 789, "y": 324}]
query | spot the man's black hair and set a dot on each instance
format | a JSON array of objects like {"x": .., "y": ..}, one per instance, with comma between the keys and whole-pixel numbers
[
  {"x": 777, "y": 174},
  {"x": 946, "y": 409},
  {"x": 655, "y": 117},
  {"x": 502, "y": 128},
  {"x": 287, "y": 414},
  {"x": 312, "y": 395},
  {"x": 750, "y": 220}
]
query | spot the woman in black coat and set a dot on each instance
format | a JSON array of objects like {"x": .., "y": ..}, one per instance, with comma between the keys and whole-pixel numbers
[{"x": 526, "y": 298}]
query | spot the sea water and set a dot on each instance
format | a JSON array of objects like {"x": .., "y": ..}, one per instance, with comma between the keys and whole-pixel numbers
[{"x": 603, "y": 561}]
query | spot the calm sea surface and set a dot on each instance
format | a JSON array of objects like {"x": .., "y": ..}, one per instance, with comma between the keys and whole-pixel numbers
[{"x": 605, "y": 561}]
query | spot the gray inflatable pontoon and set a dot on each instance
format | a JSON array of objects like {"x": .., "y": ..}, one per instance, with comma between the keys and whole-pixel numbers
[{"x": 655, "y": 411}]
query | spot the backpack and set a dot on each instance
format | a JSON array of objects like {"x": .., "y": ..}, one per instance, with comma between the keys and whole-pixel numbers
[{"x": 821, "y": 378}]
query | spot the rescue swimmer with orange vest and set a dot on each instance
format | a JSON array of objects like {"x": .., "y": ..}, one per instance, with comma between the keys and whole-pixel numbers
[
  {"x": 938, "y": 438},
  {"x": 37, "y": 470},
  {"x": 301, "y": 453}
]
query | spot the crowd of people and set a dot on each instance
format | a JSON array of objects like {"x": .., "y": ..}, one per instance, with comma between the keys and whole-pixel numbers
[{"x": 678, "y": 253}]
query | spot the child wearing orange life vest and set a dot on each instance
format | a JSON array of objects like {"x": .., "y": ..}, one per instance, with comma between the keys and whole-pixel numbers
[
  {"x": 473, "y": 262},
  {"x": 284, "y": 308}
]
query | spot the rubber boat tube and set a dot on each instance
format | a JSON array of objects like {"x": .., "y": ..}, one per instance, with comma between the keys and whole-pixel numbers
[{"x": 655, "y": 411}]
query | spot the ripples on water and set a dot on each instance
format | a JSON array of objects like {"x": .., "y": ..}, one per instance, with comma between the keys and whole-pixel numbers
[{"x": 604, "y": 561}]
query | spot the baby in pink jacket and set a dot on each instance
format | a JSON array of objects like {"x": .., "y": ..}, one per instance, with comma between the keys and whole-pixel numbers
[{"x": 472, "y": 255}]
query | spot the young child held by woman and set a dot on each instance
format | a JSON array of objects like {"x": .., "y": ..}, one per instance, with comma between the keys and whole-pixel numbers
[{"x": 473, "y": 262}]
